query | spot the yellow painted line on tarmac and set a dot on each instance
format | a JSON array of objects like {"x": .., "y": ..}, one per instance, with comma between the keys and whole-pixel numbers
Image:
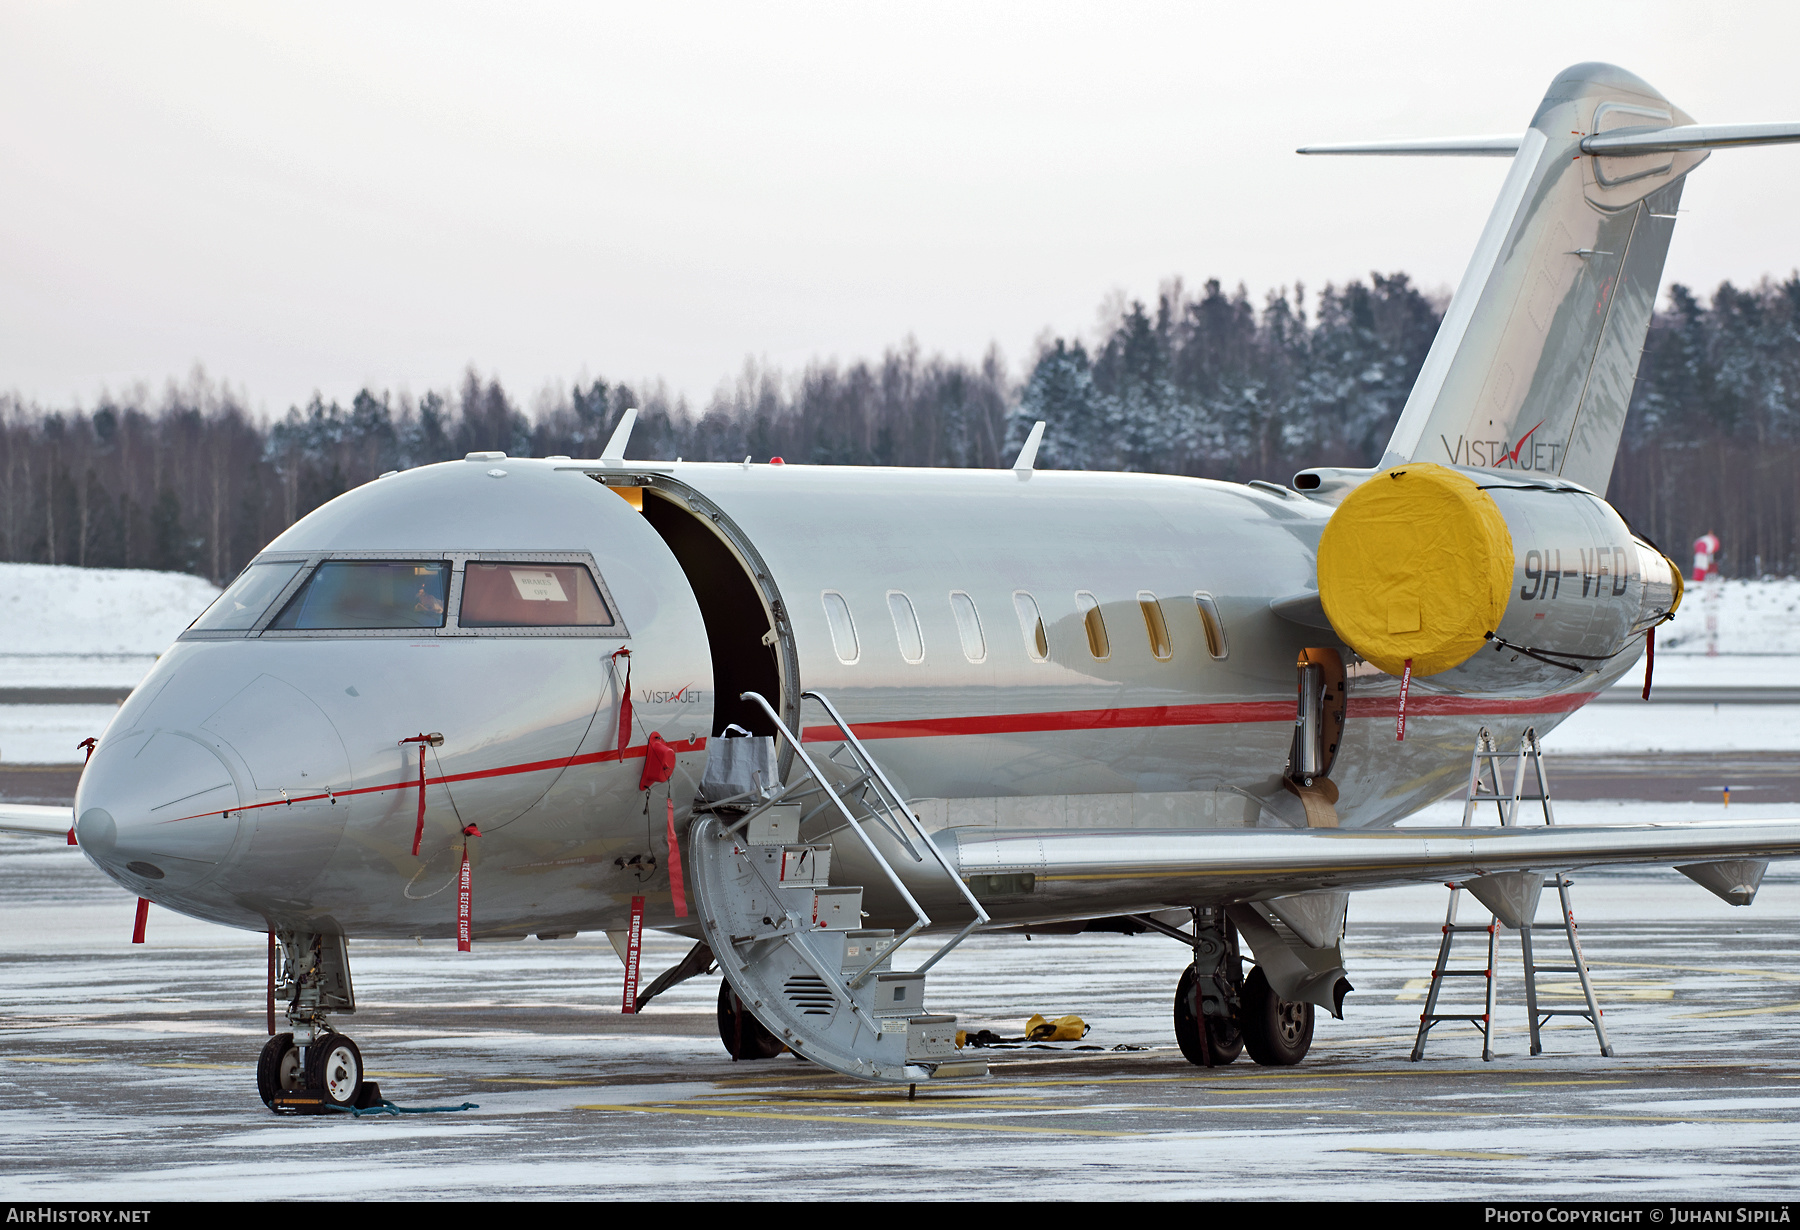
[
  {"x": 920, "y": 1122},
  {"x": 1323, "y": 1111},
  {"x": 1777, "y": 975},
  {"x": 1571, "y": 1082},
  {"x": 219, "y": 1067},
  {"x": 1767, "y": 1011},
  {"x": 398, "y": 1075},
  {"x": 532, "y": 1080},
  {"x": 45, "y": 1059},
  {"x": 1461, "y": 1154}
]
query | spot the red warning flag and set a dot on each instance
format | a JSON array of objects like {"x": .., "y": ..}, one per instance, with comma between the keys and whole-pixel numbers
[
  {"x": 624, "y": 700},
  {"x": 634, "y": 942},
  {"x": 677, "y": 891},
  {"x": 1405, "y": 687},
  {"x": 143, "y": 917}
]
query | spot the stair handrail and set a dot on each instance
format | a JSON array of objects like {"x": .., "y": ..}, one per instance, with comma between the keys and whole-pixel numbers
[
  {"x": 922, "y": 919},
  {"x": 893, "y": 802}
]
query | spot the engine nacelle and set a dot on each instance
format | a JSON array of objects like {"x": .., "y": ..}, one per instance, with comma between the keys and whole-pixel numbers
[{"x": 1427, "y": 564}]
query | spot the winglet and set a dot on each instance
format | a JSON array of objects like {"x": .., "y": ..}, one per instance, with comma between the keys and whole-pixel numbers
[
  {"x": 1027, "y": 459},
  {"x": 615, "y": 447}
]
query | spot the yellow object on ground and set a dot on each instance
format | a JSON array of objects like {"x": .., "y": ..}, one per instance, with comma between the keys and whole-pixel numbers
[
  {"x": 1416, "y": 563},
  {"x": 1062, "y": 1029}
]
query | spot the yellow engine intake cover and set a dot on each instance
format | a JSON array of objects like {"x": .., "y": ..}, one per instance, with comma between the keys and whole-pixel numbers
[{"x": 1416, "y": 563}]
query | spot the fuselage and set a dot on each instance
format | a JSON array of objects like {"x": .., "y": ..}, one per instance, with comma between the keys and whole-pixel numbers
[{"x": 1090, "y": 651}]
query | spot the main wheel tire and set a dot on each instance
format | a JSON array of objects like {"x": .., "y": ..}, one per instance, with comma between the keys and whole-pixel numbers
[
  {"x": 334, "y": 1067},
  {"x": 278, "y": 1069},
  {"x": 1277, "y": 1033},
  {"x": 1224, "y": 1042},
  {"x": 744, "y": 1036}
]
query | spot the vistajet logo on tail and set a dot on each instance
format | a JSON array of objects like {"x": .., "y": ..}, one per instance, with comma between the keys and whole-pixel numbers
[{"x": 1504, "y": 454}]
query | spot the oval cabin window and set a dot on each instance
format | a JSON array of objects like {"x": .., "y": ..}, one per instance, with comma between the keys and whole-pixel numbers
[
  {"x": 1212, "y": 625},
  {"x": 968, "y": 626},
  {"x": 1155, "y": 626},
  {"x": 906, "y": 626},
  {"x": 1031, "y": 623},
  {"x": 1091, "y": 620},
  {"x": 843, "y": 630}
]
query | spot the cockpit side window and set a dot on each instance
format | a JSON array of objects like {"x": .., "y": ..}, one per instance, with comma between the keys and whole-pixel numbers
[
  {"x": 361, "y": 594},
  {"x": 533, "y": 595},
  {"x": 243, "y": 603}
]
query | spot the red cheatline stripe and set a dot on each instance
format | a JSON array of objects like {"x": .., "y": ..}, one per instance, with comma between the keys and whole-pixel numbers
[
  {"x": 1186, "y": 715},
  {"x": 412, "y": 783},
  {"x": 1013, "y": 724}
]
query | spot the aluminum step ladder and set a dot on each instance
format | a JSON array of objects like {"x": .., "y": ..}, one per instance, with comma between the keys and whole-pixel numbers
[
  {"x": 1484, "y": 786},
  {"x": 791, "y": 943}
]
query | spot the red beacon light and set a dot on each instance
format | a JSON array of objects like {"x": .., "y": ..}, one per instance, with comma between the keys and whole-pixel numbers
[{"x": 776, "y": 461}]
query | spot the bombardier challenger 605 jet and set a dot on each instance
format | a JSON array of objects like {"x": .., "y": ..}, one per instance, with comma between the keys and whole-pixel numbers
[{"x": 479, "y": 699}]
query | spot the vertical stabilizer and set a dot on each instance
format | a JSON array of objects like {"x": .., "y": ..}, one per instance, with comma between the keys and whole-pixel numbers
[{"x": 1533, "y": 366}]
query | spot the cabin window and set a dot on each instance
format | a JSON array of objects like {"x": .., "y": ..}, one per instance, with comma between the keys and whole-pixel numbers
[
  {"x": 1155, "y": 626},
  {"x": 1031, "y": 623},
  {"x": 1091, "y": 620},
  {"x": 531, "y": 596},
  {"x": 843, "y": 630},
  {"x": 968, "y": 626},
  {"x": 906, "y": 626},
  {"x": 1213, "y": 625},
  {"x": 356, "y": 594},
  {"x": 242, "y": 605}
]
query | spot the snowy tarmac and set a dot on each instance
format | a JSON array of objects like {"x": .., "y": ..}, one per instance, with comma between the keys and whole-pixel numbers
[{"x": 127, "y": 1072}]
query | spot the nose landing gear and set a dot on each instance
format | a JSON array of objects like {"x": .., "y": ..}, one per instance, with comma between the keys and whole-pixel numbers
[{"x": 314, "y": 1067}]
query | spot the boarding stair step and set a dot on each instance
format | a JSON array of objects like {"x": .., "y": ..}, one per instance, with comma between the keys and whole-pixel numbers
[{"x": 791, "y": 942}]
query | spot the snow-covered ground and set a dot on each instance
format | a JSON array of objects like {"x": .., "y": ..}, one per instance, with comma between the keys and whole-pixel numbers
[
  {"x": 1610, "y": 729},
  {"x": 1752, "y": 617},
  {"x": 55, "y": 609}
]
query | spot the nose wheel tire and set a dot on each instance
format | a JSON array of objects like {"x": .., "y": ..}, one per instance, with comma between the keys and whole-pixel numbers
[
  {"x": 1277, "y": 1032},
  {"x": 278, "y": 1069},
  {"x": 334, "y": 1067},
  {"x": 744, "y": 1036},
  {"x": 1223, "y": 1042}
]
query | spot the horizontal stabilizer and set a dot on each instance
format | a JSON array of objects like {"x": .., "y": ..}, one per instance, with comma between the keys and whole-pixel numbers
[
  {"x": 1688, "y": 137},
  {"x": 1503, "y": 146}
]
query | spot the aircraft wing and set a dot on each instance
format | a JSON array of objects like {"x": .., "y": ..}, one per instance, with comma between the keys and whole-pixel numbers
[
  {"x": 1083, "y": 871},
  {"x": 24, "y": 820}
]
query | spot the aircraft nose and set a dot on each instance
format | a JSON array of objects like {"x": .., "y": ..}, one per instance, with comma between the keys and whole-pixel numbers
[{"x": 157, "y": 810}]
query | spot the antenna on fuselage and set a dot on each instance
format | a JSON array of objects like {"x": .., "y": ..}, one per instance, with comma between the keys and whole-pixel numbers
[
  {"x": 1028, "y": 455},
  {"x": 615, "y": 447}
]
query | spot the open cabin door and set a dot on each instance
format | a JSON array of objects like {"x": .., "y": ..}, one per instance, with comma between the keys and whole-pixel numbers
[{"x": 747, "y": 628}]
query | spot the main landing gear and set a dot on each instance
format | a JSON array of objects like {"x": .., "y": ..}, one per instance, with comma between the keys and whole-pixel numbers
[
  {"x": 1220, "y": 1013},
  {"x": 313, "y": 1067},
  {"x": 744, "y": 1036}
]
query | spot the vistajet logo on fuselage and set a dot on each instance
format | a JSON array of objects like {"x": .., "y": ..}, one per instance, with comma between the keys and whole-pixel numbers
[
  {"x": 689, "y": 695},
  {"x": 1504, "y": 454}
]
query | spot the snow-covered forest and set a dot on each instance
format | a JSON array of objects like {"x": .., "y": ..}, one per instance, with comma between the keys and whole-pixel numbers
[{"x": 1212, "y": 383}]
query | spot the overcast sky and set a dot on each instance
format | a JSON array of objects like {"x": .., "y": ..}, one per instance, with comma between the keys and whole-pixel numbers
[{"x": 326, "y": 196}]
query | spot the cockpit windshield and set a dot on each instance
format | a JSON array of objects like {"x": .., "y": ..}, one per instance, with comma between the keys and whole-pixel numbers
[
  {"x": 531, "y": 596},
  {"x": 352, "y": 594},
  {"x": 248, "y": 597}
]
